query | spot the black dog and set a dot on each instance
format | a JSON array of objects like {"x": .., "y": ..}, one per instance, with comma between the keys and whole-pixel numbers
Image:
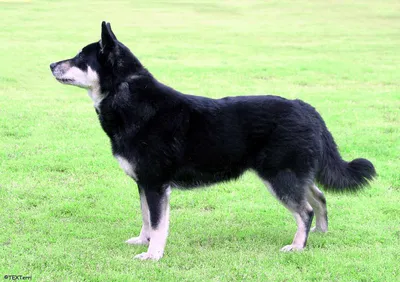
[{"x": 163, "y": 138}]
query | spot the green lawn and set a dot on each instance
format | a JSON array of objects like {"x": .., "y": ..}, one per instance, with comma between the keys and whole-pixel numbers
[{"x": 66, "y": 207}]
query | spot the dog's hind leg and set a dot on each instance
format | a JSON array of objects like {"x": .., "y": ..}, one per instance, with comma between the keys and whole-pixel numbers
[
  {"x": 318, "y": 202},
  {"x": 144, "y": 236},
  {"x": 287, "y": 188},
  {"x": 158, "y": 204},
  {"x": 303, "y": 215}
]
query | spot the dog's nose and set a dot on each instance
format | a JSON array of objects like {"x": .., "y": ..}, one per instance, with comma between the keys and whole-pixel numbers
[{"x": 52, "y": 66}]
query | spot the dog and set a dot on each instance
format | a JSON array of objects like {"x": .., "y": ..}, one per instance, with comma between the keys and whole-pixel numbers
[{"x": 163, "y": 138}]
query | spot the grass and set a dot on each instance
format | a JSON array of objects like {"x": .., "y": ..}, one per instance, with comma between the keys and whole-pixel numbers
[{"x": 66, "y": 207}]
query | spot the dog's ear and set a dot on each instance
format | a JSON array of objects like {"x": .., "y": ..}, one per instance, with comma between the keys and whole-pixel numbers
[
  {"x": 111, "y": 32},
  {"x": 108, "y": 39}
]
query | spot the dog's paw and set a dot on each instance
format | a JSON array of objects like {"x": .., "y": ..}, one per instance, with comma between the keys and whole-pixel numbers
[
  {"x": 137, "y": 241},
  {"x": 291, "y": 248},
  {"x": 149, "y": 256},
  {"x": 318, "y": 229}
]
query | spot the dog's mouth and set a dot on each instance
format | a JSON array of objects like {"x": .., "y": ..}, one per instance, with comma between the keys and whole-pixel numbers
[
  {"x": 64, "y": 80},
  {"x": 70, "y": 81}
]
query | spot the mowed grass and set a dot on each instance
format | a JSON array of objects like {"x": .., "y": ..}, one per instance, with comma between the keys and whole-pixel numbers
[{"x": 66, "y": 208}]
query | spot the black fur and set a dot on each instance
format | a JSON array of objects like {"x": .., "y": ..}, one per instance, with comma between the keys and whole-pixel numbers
[
  {"x": 193, "y": 141},
  {"x": 308, "y": 222},
  {"x": 187, "y": 141}
]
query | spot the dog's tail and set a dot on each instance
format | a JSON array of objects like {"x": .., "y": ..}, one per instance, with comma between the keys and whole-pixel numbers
[{"x": 337, "y": 175}]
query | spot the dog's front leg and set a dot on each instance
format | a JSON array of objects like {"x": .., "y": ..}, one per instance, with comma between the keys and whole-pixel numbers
[
  {"x": 158, "y": 207},
  {"x": 144, "y": 236}
]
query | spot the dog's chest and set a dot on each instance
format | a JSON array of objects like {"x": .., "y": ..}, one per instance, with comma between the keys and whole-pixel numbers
[{"x": 128, "y": 166}]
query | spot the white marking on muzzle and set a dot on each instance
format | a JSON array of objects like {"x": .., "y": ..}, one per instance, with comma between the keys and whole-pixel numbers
[
  {"x": 88, "y": 79},
  {"x": 78, "y": 77}
]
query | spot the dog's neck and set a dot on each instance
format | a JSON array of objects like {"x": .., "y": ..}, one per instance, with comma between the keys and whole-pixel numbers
[{"x": 97, "y": 96}]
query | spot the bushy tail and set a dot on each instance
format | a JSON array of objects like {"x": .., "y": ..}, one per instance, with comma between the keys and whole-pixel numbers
[{"x": 338, "y": 175}]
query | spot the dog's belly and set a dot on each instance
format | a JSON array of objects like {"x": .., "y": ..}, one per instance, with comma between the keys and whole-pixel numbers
[{"x": 191, "y": 177}]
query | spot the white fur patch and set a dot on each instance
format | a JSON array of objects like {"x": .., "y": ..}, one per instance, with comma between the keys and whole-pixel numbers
[
  {"x": 301, "y": 235},
  {"x": 128, "y": 167},
  {"x": 319, "y": 207},
  {"x": 158, "y": 237},
  {"x": 88, "y": 79},
  {"x": 77, "y": 77},
  {"x": 144, "y": 236},
  {"x": 94, "y": 91}
]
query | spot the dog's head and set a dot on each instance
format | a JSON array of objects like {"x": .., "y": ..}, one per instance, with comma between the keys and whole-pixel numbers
[{"x": 106, "y": 57}]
